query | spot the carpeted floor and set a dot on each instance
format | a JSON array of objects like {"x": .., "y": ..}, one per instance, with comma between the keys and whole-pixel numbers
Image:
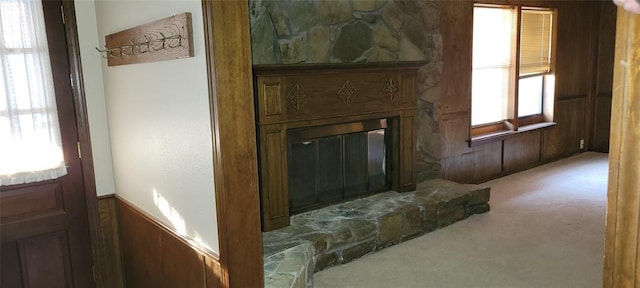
[{"x": 545, "y": 229}]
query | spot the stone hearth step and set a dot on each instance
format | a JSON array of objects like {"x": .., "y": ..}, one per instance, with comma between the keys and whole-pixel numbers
[{"x": 344, "y": 232}]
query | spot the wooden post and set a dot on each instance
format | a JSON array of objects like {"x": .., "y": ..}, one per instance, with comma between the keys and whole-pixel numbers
[
  {"x": 228, "y": 49},
  {"x": 621, "y": 267}
]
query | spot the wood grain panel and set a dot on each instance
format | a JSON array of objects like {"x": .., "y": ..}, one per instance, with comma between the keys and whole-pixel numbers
[
  {"x": 408, "y": 144},
  {"x": 275, "y": 192},
  {"x": 602, "y": 123},
  {"x": 31, "y": 201},
  {"x": 564, "y": 139},
  {"x": 55, "y": 272},
  {"x": 155, "y": 256},
  {"x": 622, "y": 255},
  {"x": 481, "y": 164},
  {"x": 468, "y": 164},
  {"x": 600, "y": 120},
  {"x": 110, "y": 237},
  {"x": 456, "y": 26},
  {"x": 521, "y": 151},
  {"x": 212, "y": 273},
  {"x": 10, "y": 273},
  {"x": 573, "y": 54},
  {"x": 185, "y": 266},
  {"x": 606, "y": 48},
  {"x": 271, "y": 89},
  {"x": 407, "y": 90},
  {"x": 229, "y": 72}
]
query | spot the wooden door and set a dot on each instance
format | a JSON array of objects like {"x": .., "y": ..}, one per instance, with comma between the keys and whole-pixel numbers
[{"x": 44, "y": 225}]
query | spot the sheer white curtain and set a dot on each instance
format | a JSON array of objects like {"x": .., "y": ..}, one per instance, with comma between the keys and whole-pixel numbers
[{"x": 30, "y": 146}]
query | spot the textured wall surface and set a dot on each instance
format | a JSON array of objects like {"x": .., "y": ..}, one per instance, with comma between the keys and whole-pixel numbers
[{"x": 347, "y": 31}]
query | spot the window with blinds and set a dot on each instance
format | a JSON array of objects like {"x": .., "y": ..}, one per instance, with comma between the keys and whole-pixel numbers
[
  {"x": 510, "y": 74},
  {"x": 535, "y": 42}
]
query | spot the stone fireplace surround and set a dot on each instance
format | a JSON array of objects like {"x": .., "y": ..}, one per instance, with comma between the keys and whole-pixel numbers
[{"x": 297, "y": 96}]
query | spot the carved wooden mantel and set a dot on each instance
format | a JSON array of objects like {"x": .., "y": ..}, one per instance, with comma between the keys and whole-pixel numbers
[{"x": 295, "y": 96}]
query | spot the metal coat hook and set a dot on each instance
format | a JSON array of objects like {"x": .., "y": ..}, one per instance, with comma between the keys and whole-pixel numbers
[{"x": 150, "y": 45}]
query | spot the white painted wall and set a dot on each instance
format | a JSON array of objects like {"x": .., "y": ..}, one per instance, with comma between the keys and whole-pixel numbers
[
  {"x": 158, "y": 119},
  {"x": 94, "y": 93}
]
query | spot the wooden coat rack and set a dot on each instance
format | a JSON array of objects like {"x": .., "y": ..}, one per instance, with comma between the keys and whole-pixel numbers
[{"x": 165, "y": 39}]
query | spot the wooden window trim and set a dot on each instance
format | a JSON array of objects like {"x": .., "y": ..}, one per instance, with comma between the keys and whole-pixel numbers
[
  {"x": 513, "y": 125},
  {"x": 505, "y": 134}
]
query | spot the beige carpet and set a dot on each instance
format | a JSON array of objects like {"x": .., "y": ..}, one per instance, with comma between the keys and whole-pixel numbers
[{"x": 545, "y": 229}]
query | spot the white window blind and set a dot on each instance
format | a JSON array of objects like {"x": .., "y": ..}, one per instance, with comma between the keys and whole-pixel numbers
[
  {"x": 535, "y": 42},
  {"x": 492, "y": 63},
  {"x": 30, "y": 144}
]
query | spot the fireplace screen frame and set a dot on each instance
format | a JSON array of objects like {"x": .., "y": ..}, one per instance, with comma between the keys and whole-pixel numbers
[
  {"x": 289, "y": 97},
  {"x": 346, "y": 172}
]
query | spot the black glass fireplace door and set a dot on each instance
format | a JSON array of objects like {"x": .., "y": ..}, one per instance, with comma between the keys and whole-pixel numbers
[{"x": 332, "y": 168}]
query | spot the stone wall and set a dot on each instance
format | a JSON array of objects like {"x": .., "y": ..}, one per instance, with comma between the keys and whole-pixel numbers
[{"x": 346, "y": 31}]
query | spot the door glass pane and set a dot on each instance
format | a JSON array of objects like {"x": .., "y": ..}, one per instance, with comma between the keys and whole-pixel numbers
[
  {"x": 377, "y": 161},
  {"x": 355, "y": 164},
  {"x": 330, "y": 169},
  {"x": 302, "y": 173},
  {"x": 30, "y": 142}
]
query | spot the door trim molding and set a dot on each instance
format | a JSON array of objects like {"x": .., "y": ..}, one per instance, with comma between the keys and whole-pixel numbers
[{"x": 88, "y": 174}]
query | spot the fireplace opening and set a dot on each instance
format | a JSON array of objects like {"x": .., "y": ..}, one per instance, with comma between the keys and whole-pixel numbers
[{"x": 334, "y": 163}]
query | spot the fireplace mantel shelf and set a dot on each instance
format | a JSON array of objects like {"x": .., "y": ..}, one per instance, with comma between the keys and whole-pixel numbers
[{"x": 286, "y": 68}]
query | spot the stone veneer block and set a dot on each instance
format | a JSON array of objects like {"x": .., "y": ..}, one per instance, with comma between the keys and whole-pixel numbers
[
  {"x": 326, "y": 260},
  {"x": 364, "y": 5},
  {"x": 391, "y": 227},
  {"x": 353, "y": 40},
  {"x": 359, "y": 250},
  {"x": 290, "y": 268},
  {"x": 413, "y": 220}
]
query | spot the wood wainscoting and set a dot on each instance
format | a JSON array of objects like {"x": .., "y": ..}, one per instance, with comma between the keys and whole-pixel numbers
[{"x": 139, "y": 251}]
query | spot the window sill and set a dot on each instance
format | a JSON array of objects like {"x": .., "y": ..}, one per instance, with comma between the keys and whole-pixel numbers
[{"x": 501, "y": 135}]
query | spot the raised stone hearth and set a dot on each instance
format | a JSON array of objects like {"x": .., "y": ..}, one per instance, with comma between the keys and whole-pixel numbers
[{"x": 344, "y": 232}]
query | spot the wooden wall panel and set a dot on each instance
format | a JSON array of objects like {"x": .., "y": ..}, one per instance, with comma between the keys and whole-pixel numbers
[
  {"x": 470, "y": 164},
  {"x": 572, "y": 65},
  {"x": 155, "y": 256},
  {"x": 110, "y": 237},
  {"x": 521, "y": 151},
  {"x": 601, "y": 119},
  {"x": 481, "y": 164},
  {"x": 456, "y": 26},
  {"x": 564, "y": 139},
  {"x": 601, "y": 123}
]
